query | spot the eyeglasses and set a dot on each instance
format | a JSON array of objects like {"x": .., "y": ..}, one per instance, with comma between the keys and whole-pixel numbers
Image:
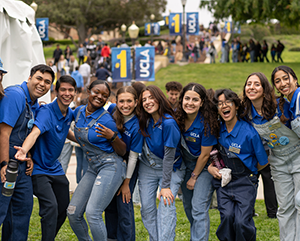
[{"x": 226, "y": 103}]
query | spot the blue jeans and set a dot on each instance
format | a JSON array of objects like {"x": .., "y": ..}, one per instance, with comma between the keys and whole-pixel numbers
[
  {"x": 65, "y": 156},
  {"x": 160, "y": 223},
  {"x": 82, "y": 163},
  {"x": 93, "y": 194}
]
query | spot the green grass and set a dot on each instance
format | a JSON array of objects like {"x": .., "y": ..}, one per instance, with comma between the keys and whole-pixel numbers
[{"x": 267, "y": 229}]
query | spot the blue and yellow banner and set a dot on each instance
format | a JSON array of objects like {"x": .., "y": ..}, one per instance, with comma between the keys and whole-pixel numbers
[
  {"x": 42, "y": 25},
  {"x": 155, "y": 29},
  {"x": 121, "y": 71},
  {"x": 227, "y": 27},
  {"x": 175, "y": 23},
  {"x": 144, "y": 63},
  {"x": 166, "y": 18},
  {"x": 192, "y": 23}
]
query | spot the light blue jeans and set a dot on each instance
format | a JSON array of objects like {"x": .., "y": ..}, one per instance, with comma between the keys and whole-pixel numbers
[
  {"x": 65, "y": 156},
  {"x": 160, "y": 223},
  {"x": 93, "y": 194}
]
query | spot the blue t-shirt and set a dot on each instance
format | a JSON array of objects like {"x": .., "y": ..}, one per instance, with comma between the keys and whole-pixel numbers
[
  {"x": 165, "y": 134},
  {"x": 245, "y": 140},
  {"x": 13, "y": 104},
  {"x": 292, "y": 109},
  {"x": 105, "y": 120},
  {"x": 54, "y": 129},
  {"x": 195, "y": 138},
  {"x": 131, "y": 136}
]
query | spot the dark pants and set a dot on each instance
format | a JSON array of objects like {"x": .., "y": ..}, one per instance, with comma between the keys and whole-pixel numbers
[
  {"x": 80, "y": 60},
  {"x": 269, "y": 191},
  {"x": 119, "y": 216},
  {"x": 53, "y": 195}
]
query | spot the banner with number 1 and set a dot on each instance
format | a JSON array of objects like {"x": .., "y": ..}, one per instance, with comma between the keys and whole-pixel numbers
[
  {"x": 175, "y": 25},
  {"x": 121, "y": 70}
]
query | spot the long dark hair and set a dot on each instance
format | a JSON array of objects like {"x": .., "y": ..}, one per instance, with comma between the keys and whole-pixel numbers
[
  {"x": 208, "y": 110},
  {"x": 164, "y": 107},
  {"x": 269, "y": 103},
  {"x": 118, "y": 117},
  {"x": 289, "y": 72}
]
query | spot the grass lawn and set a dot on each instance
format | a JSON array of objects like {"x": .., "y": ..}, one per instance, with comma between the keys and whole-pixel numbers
[{"x": 267, "y": 229}]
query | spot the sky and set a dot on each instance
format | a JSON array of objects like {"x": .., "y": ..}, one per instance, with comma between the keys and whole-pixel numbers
[{"x": 191, "y": 6}]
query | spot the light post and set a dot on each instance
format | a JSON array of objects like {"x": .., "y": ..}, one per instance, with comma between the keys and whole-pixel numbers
[
  {"x": 133, "y": 31},
  {"x": 183, "y": 2},
  {"x": 123, "y": 29},
  {"x": 34, "y": 6},
  {"x": 152, "y": 17}
]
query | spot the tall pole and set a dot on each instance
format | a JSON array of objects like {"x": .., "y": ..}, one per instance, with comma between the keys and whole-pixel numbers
[
  {"x": 183, "y": 32},
  {"x": 151, "y": 30}
]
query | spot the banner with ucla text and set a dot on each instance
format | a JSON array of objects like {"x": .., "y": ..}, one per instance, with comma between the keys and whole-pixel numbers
[
  {"x": 121, "y": 66},
  {"x": 155, "y": 29},
  {"x": 144, "y": 63},
  {"x": 192, "y": 23},
  {"x": 42, "y": 25},
  {"x": 175, "y": 23}
]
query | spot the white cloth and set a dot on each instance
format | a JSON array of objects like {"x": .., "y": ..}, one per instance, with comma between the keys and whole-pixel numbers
[{"x": 85, "y": 71}]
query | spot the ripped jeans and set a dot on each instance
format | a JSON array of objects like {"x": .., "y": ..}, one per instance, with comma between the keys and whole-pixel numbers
[{"x": 93, "y": 194}]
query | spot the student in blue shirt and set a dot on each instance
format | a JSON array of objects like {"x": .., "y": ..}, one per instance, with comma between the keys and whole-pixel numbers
[
  {"x": 106, "y": 170},
  {"x": 286, "y": 154},
  {"x": 243, "y": 152},
  {"x": 17, "y": 110},
  {"x": 47, "y": 138},
  {"x": 160, "y": 164},
  {"x": 119, "y": 215},
  {"x": 197, "y": 116}
]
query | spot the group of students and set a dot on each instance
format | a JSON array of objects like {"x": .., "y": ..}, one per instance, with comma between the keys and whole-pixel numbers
[{"x": 163, "y": 144}]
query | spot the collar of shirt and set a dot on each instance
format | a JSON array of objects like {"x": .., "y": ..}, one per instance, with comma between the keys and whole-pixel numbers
[
  {"x": 57, "y": 111},
  {"x": 197, "y": 123},
  {"x": 234, "y": 132}
]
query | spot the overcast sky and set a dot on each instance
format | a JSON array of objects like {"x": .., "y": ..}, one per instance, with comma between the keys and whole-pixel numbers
[{"x": 175, "y": 6}]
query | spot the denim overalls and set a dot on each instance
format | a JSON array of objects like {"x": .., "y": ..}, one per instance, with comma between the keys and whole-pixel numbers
[
  {"x": 97, "y": 187},
  {"x": 15, "y": 211},
  {"x": 196, "y": 202},
  {"x": 285, "y": 167},
  {"x": 236, "y": 200},
  {"x": 160, "y": 223}
]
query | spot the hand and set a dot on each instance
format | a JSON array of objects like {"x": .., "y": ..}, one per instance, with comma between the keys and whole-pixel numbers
[
  {"x": 167, "y": 195},
  {"x": 105, "y": 132},
  {"x": 124, "y": 189},
  {"x": 3, "y": 174},
  {"x": 191, "y": 183},
  {"x": 29, "y": 167},
  {"x": 21, "y": 154},
  {"x": 214, "y": 171}
]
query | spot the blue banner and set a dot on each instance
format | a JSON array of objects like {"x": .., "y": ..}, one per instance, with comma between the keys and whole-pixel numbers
[
  {"x": 175, "y": 23},
  {"x": 155, "y": 29},
  {"x": 42, "y": 25},
  {"x": 192, "y": 24},
  {"x": 166, "y": 18},
  {"x": 227, "y": 27},
  {"x": 121, "y": 66},
  {"x": 144, "y": 63}
]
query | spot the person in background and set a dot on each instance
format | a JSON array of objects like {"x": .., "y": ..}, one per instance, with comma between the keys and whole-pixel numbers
[
  {"x": 81, "y": 53},
  {"x": 56, "y": 54},
  {"x": 102, "y": 73},
  {"x": 273, "y": 53},
  {"x": 279, "y": 50},
  {"x": 50, "y": 184},
  {"x": 85, "y": 71},
  {"x": 62, "y": 66},
  {"x": 72, "y": 64},
  {"x": 79, "y": 83},
  {"x": 68, "y": 53},
  {"x": 173, "y": 89},
  {"x": 265, "y": 49},
  {"x": 212, "y": 53},
  {"x": 17, "y": 111}
]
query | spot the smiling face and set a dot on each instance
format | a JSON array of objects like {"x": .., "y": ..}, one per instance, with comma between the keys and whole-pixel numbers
[
  {"x": 39, "y": 84},
  {"x": 253, "y": 89},
  {"x": 227, "y": 109},
  {"x": 173, "y": 96},
  {"x": 98, "y": 96},
  {"x": 285, "y": 83},
  {"x": 191, "y": 102},
  {"x": 126, "y": 103},
  {"x": 150, "y": 104},
  {"x": 65, "y": 94}
]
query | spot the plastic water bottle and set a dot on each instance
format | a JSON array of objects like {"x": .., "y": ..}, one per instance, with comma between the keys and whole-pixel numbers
[
  {"x": 11, "y": 177},
  {"x": 216, "y": 159}
]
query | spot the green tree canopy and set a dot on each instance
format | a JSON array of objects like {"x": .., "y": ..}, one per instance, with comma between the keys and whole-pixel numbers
[
  {"x": 97, "y": 15},
  {"x": 286, "y": 11}
]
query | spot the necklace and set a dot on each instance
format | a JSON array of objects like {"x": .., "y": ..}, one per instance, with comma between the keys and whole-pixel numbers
[{"x": 88, "y": 112}]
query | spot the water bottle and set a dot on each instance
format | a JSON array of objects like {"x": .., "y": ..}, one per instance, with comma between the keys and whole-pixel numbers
[
  {"x": 11, "y": 177},
  {"x": 216, "y": 159}
]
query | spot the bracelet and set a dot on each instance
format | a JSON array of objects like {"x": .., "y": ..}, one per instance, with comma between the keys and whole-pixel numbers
[
  {"x": 3, "y": 163},
  {"x": 114, "y": 137},
  {"x": 194, "y": 176}
]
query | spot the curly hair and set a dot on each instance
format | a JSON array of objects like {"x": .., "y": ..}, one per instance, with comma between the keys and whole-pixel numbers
[
  {"x": 208, "y": 110},
  {"x": 230, "y": 95},
  {"x": 173, "y": 85},
  {"x": 164, "y": 108},
  {"x": 282, "y": 100},
  {"x": 118, "y": 117},
  {"x": 269, "y": 103}
]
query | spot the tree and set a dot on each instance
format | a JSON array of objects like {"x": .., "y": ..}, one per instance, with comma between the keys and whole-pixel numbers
[
  {"x": 286, "y": 11},
  {"x": 94, "y": 16}
]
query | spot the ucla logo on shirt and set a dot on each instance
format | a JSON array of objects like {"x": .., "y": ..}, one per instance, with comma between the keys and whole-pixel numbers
[
  {"x": 194, "y": 135},
  {"x": 235, "y": 145},
  {"x": 127, "y": 133},
  {"x": 159, "y": 127}
]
